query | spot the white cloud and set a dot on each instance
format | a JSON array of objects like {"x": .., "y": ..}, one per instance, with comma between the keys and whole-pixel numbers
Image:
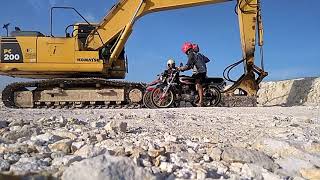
[
  {"x": 52, "y": 3},
  {"x": 90, "y": 17},
  {"x": 36, "y": 4}
]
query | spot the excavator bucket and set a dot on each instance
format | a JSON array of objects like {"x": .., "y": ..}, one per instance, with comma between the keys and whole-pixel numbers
[{"x": 243, "y": 93}]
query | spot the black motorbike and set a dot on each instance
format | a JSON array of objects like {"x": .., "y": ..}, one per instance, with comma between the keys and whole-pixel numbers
[{"x": 179, "y": 88}]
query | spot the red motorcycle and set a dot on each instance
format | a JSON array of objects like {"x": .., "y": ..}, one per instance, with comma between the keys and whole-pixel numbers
[
  {"x": 147, "y": 97},
  {"x": 177, "y": 89}
]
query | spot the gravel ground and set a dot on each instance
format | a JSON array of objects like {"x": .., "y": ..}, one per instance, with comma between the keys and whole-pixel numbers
[{"x": 185, "y": 143}]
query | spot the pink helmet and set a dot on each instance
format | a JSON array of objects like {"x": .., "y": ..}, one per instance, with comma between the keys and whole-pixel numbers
[
  {"x": 195, "y": 47},
  {"x": 186, "y": 47}
]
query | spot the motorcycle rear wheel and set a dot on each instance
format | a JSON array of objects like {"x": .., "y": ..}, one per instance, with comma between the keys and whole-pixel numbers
[
  {"x": 214, "y": 97},
  {"x": 211, "y": 97},
  {"x": 160, "y": 100},
  {"x": 147, "y": 100}
]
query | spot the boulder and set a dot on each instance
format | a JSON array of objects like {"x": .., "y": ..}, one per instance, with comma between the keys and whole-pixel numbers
[
  {"x": 169, "y": 138},
  {"x": 312, "y": 174},
  {"x": 17, "y": 122},
  {"x": 116, "y": 126},
  {"x": 291, "y": 166},
  {"x": 47, "y": 137},
  {"x": 66, "y": 160},
  {"x": 167, "y": 167},
  {"x": 243, "y": 155},
  {"x": 77, "y": 145},
  {"x": 62, "y": 145},
  {"x": 4, "y": 124},
  {"x": 215, "y": 153},
  {"x": 12, "y": 157},
  {"x": 64, "y": 134},
  {"x": 89, "y": 151},
  {"x": 105, "y": 167},
  {"x": 252, "y": 171},
  {"x": 26, "y": 131},
  {"x": 97, "y": 124},
  {"x": 29, "y": 166},
  {"x": 4, "y": 165},
  {"x": 19, "y": 149},
  {"x": 312, "y": 147},
  {"x": 285, "y": 149}
]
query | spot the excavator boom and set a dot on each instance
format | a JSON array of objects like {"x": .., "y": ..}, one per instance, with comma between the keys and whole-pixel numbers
[
  {"x": 116, "y": 27},
  {"x": 251, "y": 27}
]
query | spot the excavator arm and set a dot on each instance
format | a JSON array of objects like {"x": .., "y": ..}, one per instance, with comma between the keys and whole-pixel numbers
[
  {"x": 251, "y": 28},
  {"x": 116, "y": 27}
]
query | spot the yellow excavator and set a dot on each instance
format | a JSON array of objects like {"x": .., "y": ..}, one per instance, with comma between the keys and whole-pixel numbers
[{"x": 76, "y": 70}]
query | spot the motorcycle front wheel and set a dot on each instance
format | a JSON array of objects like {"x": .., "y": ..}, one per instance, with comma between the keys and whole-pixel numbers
[{"x": 161, "y": 99}]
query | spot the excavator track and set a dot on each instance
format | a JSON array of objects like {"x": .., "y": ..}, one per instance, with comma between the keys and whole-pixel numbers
[{"x": 74, "y": 93}]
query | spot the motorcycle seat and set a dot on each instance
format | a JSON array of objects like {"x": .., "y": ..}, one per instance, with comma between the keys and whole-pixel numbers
[
  {"x": 214, "y": 80},
  {"x": 187, "y": 79}
]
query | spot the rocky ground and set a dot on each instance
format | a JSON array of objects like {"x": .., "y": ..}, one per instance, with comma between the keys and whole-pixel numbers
[{"x": 191, "y": 143}]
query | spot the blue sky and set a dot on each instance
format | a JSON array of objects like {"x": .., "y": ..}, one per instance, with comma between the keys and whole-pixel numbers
[{"x": 292, "y": 40}]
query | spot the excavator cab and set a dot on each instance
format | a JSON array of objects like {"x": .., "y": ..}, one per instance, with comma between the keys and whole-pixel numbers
[{"x": 82, "y": 30}]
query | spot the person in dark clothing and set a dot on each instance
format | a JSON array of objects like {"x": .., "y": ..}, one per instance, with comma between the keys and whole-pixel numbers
[
  {"x": 171, "y": 68},
  {"x": 167, "y": 74},
  {"x": 197, "y": 62},
  {"x": 196, "y": 49}
]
